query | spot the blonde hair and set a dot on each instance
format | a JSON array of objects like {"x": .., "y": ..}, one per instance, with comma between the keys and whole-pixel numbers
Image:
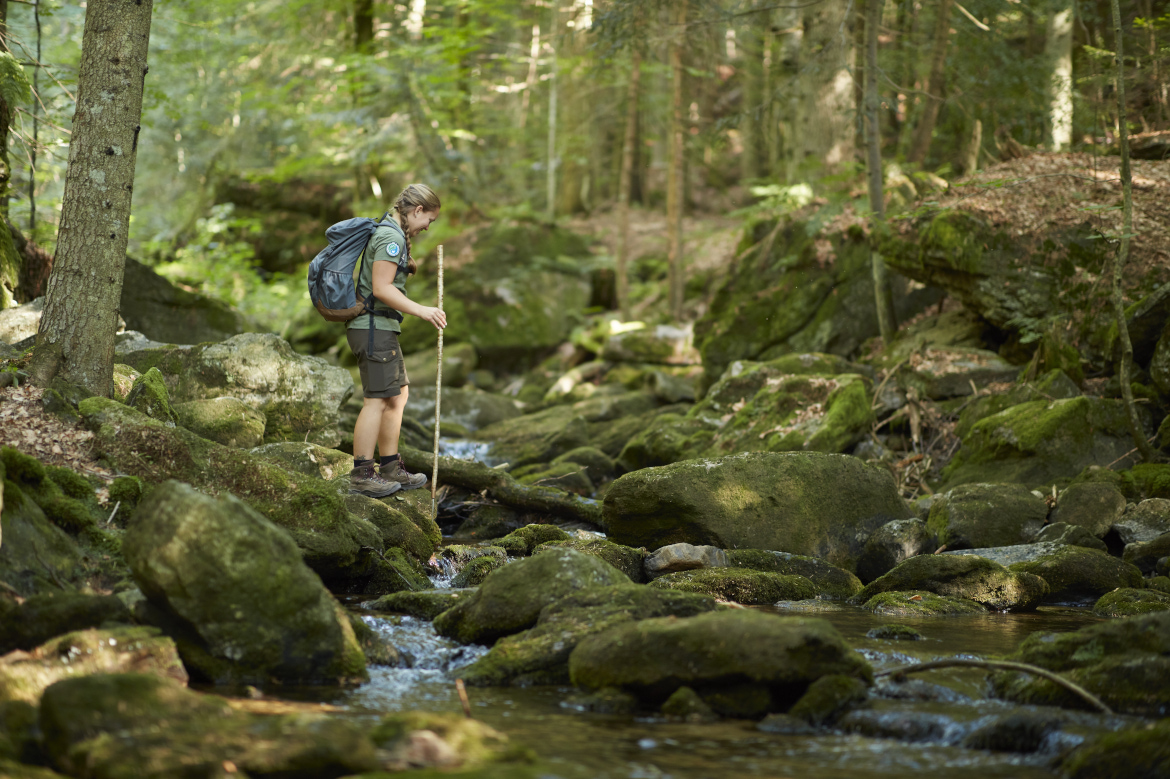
[{"x": 410, "y": 198}]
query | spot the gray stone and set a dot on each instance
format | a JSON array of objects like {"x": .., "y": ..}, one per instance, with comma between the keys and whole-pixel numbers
[
  {"x": 1095, "y": 506},
  {"x": 1060, "y": 533},
  {"x": 974, "y": 516},
  {"x": 1147, "y": 554},
  {"x": 684, "y": 557},
  {"x": 1149, "y": 520},
  {"x": 153, "y": 305},
  {"x": 892, "y": 543}
]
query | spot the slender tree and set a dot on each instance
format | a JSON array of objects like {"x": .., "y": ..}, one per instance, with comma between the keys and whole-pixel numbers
[
  {"x": 76, "y": 336},
  {"x": 1058, "y": 50},
  {"x": 675, "y": 185},
  {"x": 825, "y": 131},
  {"x": 550, "y": 181},
  {"x": 887, "y": 323},
  {"x": 625, "y": 180},
  {"x": 1135, "y": 427},
  {"x": 924, "y": 131}
]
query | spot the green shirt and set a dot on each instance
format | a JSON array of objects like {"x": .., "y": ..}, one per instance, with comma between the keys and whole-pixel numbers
[{"x": 387, "y": 244}]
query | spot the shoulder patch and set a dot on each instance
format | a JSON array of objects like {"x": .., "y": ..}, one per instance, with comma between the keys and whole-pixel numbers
[{"x": 393, "y": 249}]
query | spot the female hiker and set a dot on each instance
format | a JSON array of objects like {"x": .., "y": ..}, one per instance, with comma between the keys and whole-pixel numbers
[{"x": 385, "y": 386}]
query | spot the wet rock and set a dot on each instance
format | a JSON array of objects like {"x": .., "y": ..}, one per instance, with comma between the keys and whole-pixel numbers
[
  {"x": 1124, "y": 662},
  {"x": 245, "y": 606},
  {"x": 300, "y": 396},
  {"x": 961, "y": 576},
  {"x": 1040, "y": 442},
  {"x": 948, "y": 372},
  {"x": 626, "y": 559},
  {"x": 1074, "y": 572},
  {"x": 606, "y": 701},
  {"x": 1127, "y": 602},
  {"x": 919, "y": 603},
  {"x": 375, "y": 647},
  {"x": 1140, "y": 751},
  {"x": 1074, "y": 535},
  {"x": 1150, "y": 519},
  {"x": 895, "y": 633},
  {"x": 661, "y": 344},
  {"x": 476, "y": 571},
  {"x": 785, "y": 725},
  {"x": 36, "y": 555},
  {"x": 774, "y": 655},
  {"x": 540, "y": 655},
  {"x": 309, "y": 459},
  {"x": 1094, "y": 506},
  {"x": 427, "y": 604},
  {"x": 740, "y": 585},
  {"x": 523, "y": 541},
  {"x": 892, "y": 543},
  {"x": 973, "y": 516},
  {"x": 472, "y": 408},
  {"x": 25, "y": 675},
  {"x": 41, "y": 617},
  {"x": 227, "y": 421},
  {"x": 828, "y": 698},
  {"x": 805, "y": 503},
  {"x": 597, "y": 464},
  {"x": 510, "y": 600},
  {"x": 830, "y": 581},
  {"x": 684, "y": 557},
  {"x": 1022, "y": 732},
  {"x": 908, "y": 688},
  {"x": 460, "y": 555},
  {"x": 1149, "y": 555},
  {"x": 686, "y": 705}
]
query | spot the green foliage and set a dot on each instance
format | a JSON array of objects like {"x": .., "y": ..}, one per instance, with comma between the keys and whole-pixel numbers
[{"x": 14, "y": 86}]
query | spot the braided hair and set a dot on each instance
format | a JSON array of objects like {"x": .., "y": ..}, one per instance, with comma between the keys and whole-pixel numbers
[{"x": 412, "y": 197}]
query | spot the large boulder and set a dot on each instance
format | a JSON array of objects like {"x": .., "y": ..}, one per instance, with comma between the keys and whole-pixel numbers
[
  {"x": 823, "y": 505},
  {"x": 892, "y": 543},
  {"x": 1140, "y": 750},
  {"x": 829, "y": 580},
  {"x": 228, "y": 421},
  {"x": 739, "y": 585},
  {"x": 664, "y": 344},
  {"x": 741, "y": 662},
  {"x": 540, "y": 655},
  {"x": 1148, "y": 520},
  {"x": 511, "y": 598},
  {"x": 980, "y": 515},
  {"x": 39, "y": 618},
  {"x": 300, "y": 396},
  {"x": 961, "y": 576},
  {"x": 1078, "y": 573},
  {"x": 163, "y": 312},
  {"x": 1095, "y": 506},
  {"x": 245, "y": 606}
]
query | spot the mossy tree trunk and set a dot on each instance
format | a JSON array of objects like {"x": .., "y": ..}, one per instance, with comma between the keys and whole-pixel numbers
[
  {"x": 887, "y": 322},
  {"x": 675, "y": 183},
  {"x": 1135, "y": 427},
  {"x": 10, "y": 266},
  {"x": 935, "y": 86},
  {"x": 76, "y": 336}
]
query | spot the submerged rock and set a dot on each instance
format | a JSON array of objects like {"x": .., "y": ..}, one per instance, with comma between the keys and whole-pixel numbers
[
  {"x": 510, "y": 600},
  {"x": 973, "y": 516},
  {"x": 893, "y": 632},
  {"x": 227, "y": 421},
  {"x": 804, "y": 503},
  {"x": 245, "y": 607},
  {"x": 740, "y": 662},
  {"x": 740, "y": 585},
  {"x": 961, "y": 576},
  {"x": 919, "y": 603}
]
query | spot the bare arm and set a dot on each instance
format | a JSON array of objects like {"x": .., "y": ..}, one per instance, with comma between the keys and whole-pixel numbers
[{"x": 386, "y": 292}]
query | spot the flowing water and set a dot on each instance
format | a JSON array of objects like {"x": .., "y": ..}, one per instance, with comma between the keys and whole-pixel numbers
[{"x": 930, "y": 715}]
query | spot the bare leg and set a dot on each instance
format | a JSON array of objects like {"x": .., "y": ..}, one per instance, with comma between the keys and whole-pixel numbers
[
  {"x": 366, "y": 432},
  {"x": 391, "y": 424}
]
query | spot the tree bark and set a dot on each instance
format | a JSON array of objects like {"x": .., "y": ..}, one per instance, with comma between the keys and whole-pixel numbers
[
  {"x": 1058, "y": 52},
  {"x": 675, "y": 185},
  {"x": 753, "y": 122},
  {"x": 625, "y": 181},
  {"x": 76, "y": 336},
  {"x": 550, "y": 181},
  {"x": 1135, "y": 427},
  {"x": 5, "y": 121},
  {"x": 883, "y": 299},
  {"x": 825, "y": 131},
  {"x": 920, "y": 145}
]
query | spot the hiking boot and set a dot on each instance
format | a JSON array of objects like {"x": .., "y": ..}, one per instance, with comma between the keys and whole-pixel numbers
[
  {"x": 366, "y": 480},
  {"x": 396, "y": 474}
]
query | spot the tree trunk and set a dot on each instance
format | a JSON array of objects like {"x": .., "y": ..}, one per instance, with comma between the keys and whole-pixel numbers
[
  {"x": 76, "y": 336},
  {"x": 786, "y": 47},
  {"x": 1135, "y": 427},
  {"x": 883, "y": 299},
  {"x": 971, "y": 156},
  {"x": 751, "y": 128},
  {"x": 920, "y": 145},
  {"x": 550, "y": 181},
  {"x": 5, "y": 121},
  {"x": 675, "y": 183},
  {"x": 1058, "y": 52},
  {"x": 363, "y": 26},
  {"x": 825, "y": 130},
  {"x": 625, "y": 180}
]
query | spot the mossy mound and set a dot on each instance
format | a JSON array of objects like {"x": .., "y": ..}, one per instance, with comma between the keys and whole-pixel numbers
[
  {"x": 523, "y": 542},
  {"x": 41, "y": 617},
  {"x": 626, "y": 559},
  {"x": 829, "y": 580},
  {"x": 741, "y": 585},
  {"x": 1128, "y": 602},
  {"x": 536, "y": 438},
  {"x": 972, "y": 516},
  {"x": 1076, "y": 572},
  {"x": 919, "y": 603},
  {"x": 665, "y": 439},
  {"x": 427, "y": 604},
  {"x": 511, "y": 599},
  {"x": 828, "y": 698},
  {"x": 961, "y": 576},
  {"x": 540, "y": 655},
  {"x": 476, "y": 571},
  {"x": 1053, "y": 385},
  {"x": 1125, "y": 662},
  {"x": 1137, "y": 752},
  {"x": 227, "y": 421},
  {"x": 66, "y": 498},
  {"x": 36, "y": 555},
  {"x": 597, "y": 464},
  {"x": 414, "y": 533},
  {"x": 567, "y": 476},
  {"x": 894, "y": 632},
  {"x": 149, "y": 396}
]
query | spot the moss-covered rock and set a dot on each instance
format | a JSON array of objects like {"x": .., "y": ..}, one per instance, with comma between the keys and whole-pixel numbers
[
  {"x": 1076, "y": 572},
  {"x": 1042, "y": 442},
  {"x": 124, "y": 378},
  {"x": 1124, "y": 662},
  {"x": 416, "y": 535},
  {"x": 919, "y": 603},
  {"x": 1094, "y": 506},
  {"x": 309, "y": 459},
  {"x": 972, "y": 516},
  {"x": 536, "y": 438},
  {"x": 460, "y": 555},
  {"x": 117, "y": 650},
  {"x": 805, "y": 503},
  {"x": 127, "y": 491},
  {"x": 894, "y": 632},
  {"x": 626, "y": 559},
  {"x": 570, "y": 477},
  {"x": 523, "y": 541},
  {"x": 1145, "y": 555},
  {"x": 961, "y": 576},
  {"x": 427, "y": 604},
  {"x": 476, "y": 571},
  {"x": 247, "y": 608},
  {"x": 35, "y": 555},
  {"x": 1127, "y": 602},
  {"x": 470, "y": 408},
  {"x": 41, "y": 617},
  {"x": 459, "y": 361},
  {"x": 149, "y": 396},
  {"x": 66, "y": 498},
  {"x": 1053, "y": 385},
  {"x": 740, "y": 585},
  {"x": 828, "y": 698},
  {"x": 510, "y": 599},
  {"x": 454, "y": 741},
  {"x": 947, "y": 372},
  {"x": 779, "y": 656},
  {"x": 829, "y": 580},
  {"x": 1145, "y": 522},
  {"x": 1075, "y": 535},
  {"x": 597, "y": 464},
  {"x": 1140, "y": 751},
  {"x": 665, "y": 344},
  {"x": 667, "y": 438},
  {"x": 228, "y": 421},
  {"x": 540, "y": 655},
  {"x": 488, "y": 521},
  {"x": 686, "y": 705},
  {"x": 892, "y": 543}
]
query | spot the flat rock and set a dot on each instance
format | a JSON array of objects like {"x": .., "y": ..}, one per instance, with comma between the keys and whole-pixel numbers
[{"x": 684, "y": 557}]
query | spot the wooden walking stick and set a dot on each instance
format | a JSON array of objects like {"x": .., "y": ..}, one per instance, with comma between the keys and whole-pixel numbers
[{"x": 438, "y": 399}]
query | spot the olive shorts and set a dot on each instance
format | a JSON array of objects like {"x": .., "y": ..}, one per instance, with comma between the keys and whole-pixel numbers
[{"x": 383, "y": 373}]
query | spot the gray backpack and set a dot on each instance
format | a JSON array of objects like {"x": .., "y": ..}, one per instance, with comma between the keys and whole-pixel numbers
[{"x": 331, "y": 285}]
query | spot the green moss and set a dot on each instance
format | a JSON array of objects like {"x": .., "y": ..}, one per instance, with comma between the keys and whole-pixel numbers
[
  {"x": 740, "y": 585},
  {"x": 626, "y": 559},
  {"x": 22, "y": 468},
  {"x": 1078, "y": 572},
  {"x": 1138, "y": 752},
  {"x": 894, "y": 632},
  {"x": 917, "y": 603},
  {"x": 471, "y": 740},
  {"x": 476, "y": 571},
  {"x": 960, "y": 576},
  {"x": 427, "y": 604},
  {"x": 127, "y": 490},
  {"x": 567, "y": 476},
  {"x": 1127, "y": 601},
  {"x": 829, "y": 580},
  {"x": 149, "y": 396},
  {"x": 828, "y": 698},
  {"x": 522, "y": 542}
]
